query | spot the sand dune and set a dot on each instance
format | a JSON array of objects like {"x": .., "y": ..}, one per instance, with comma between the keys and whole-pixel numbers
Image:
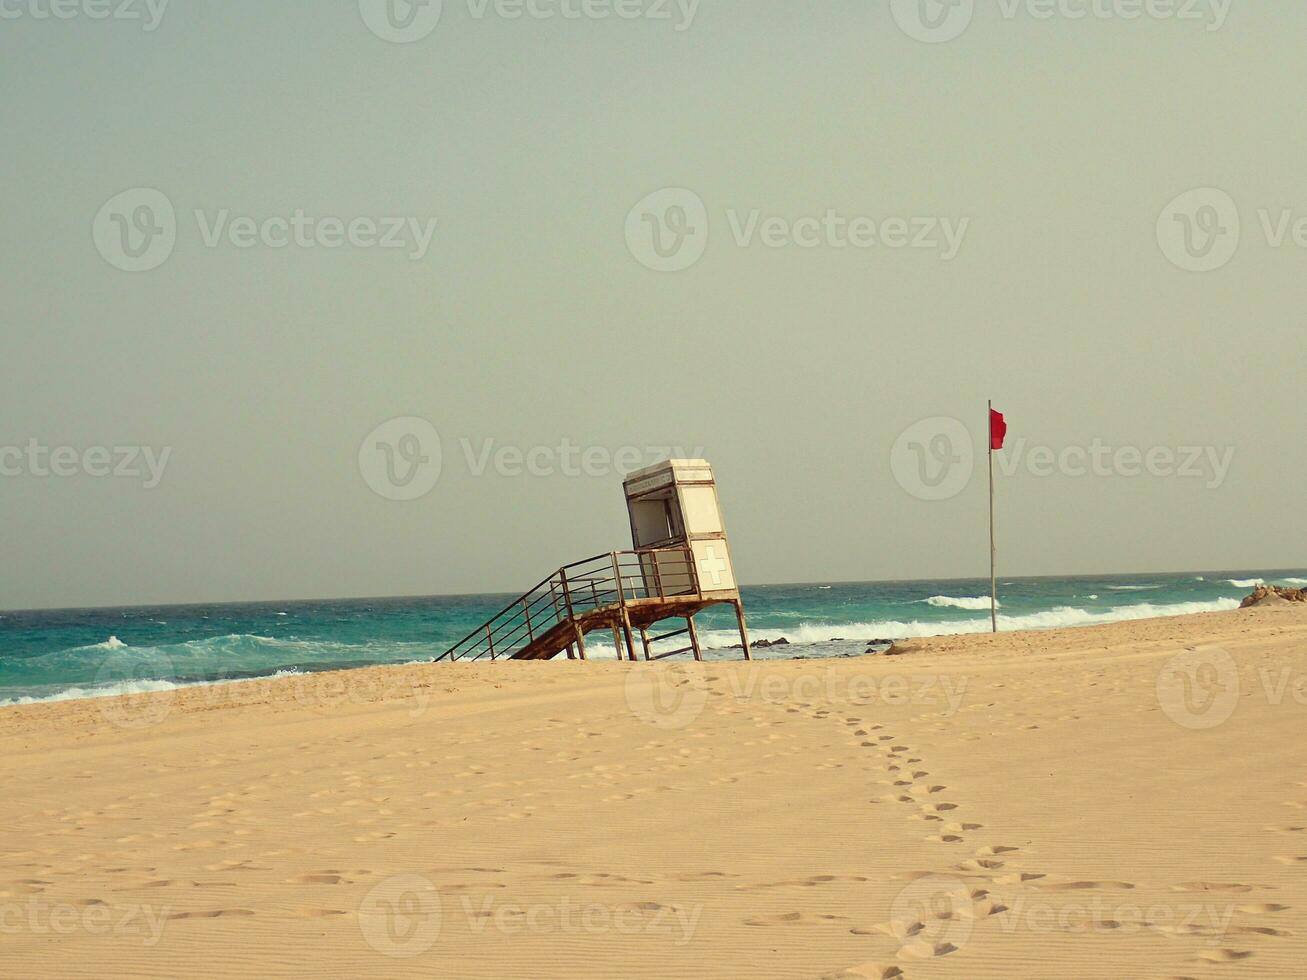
[{"x": 1119, "y": 801}]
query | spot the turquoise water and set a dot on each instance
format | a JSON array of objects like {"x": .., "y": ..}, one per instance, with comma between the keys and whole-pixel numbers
[{"x": 88, "y": 652}]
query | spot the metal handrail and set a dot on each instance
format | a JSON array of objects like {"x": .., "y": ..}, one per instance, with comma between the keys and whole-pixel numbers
[{"x": 560, "y": 598}]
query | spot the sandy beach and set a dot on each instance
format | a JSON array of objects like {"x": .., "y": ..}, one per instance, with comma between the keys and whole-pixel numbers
[{"x": 1117, "y": 801}]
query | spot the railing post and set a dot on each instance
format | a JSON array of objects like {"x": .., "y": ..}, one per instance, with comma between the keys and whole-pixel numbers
[
  {"x": 617, "y": 577},
  {"x": 526, "y": 612},
  {"x": 553, "y": 595},
  {"x": 567, "y": 593},
  {"x": 490, "y": 639},
  {"x": 571, "y": 613}
]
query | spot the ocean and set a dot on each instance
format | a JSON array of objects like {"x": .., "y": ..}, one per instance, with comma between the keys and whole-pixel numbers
[{"x": 76, "y": 653}]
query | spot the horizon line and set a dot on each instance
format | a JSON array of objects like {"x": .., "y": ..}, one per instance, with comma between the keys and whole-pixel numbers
[{"x": 752, "y": 585}]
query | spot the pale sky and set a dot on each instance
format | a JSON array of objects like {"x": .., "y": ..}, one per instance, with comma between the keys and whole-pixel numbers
[{"x": 529, "y": 319}]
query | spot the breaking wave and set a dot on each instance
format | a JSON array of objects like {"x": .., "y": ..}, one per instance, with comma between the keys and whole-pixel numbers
[
  {"x": 965, "y": 602},
  {"x": 112, "y": 667},
  {"x": 1058, "y": 618}
]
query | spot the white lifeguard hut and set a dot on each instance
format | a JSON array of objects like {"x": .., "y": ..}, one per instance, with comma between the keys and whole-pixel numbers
[
  {"x": 679, "y": 565},
  {"x": 673, "y": 505},
  {"x": 675, "y": 514}
]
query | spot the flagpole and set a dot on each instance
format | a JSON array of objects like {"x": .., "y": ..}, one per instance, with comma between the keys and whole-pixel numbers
[{"x": 993, "y": 590}]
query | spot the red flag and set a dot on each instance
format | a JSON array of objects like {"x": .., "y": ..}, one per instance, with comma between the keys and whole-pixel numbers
[{"x": 997, "y": 429}]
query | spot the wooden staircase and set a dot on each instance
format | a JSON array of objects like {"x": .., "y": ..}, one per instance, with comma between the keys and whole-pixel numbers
[{"x": 627, "y": 592}]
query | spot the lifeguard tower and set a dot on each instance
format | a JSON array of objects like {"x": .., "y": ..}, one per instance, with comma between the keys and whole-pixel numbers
[{"x": 680, "y": 565}]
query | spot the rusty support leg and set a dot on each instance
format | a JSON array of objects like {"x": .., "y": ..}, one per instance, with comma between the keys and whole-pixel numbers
[
  {"x": 644, "y": 638},
  {"x": 580, "y": 640},
  {"x": 617, "y": 639},
  {"x": 571, "y": 652},
  {"x": 744, "y": 631},
  {"x": 694, "y": 637},
  {"x": 626, "y": 631}
]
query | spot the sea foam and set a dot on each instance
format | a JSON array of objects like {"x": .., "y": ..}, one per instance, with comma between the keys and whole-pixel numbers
[
  {"x": 1058, "y": 618},
  {"x": 964, "y": 602}
]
